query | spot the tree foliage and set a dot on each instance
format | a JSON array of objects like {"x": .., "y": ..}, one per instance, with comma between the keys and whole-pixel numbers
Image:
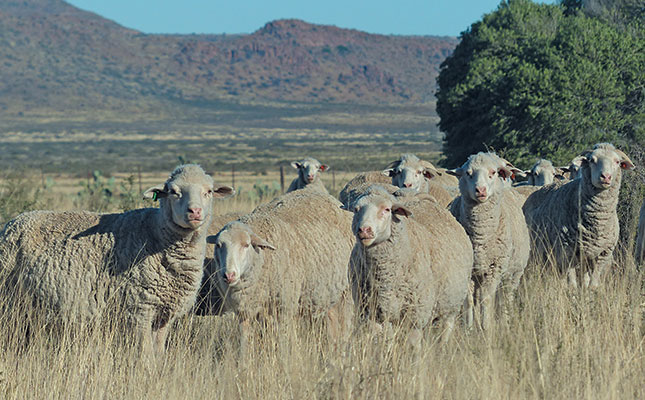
[{"x": 536, "y": 80}]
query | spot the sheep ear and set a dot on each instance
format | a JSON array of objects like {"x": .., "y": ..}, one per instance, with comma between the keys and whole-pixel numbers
[
  {"x": 399, "y": 210},
  {"x": 388, "y": 172},
  {"x": 211, "y": 239},
  {"x": 295, "y": 164},
  {"x": 625, "y": 162},
  {"x": 455, "y": 172},
  {"x": 324, "y": 167},
  {"x": 430, "y": 173},
  {"x": 517, "y": 172},
  {"x": 505, "y": 172},
  {"x": 223, "y": 191},
  {"x": 259, "y": 243},
  {"x": 155, "y": 192},
  {"x": 528, "y": 173}
]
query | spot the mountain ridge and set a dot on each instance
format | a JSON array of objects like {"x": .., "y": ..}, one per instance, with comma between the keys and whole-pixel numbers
[{"x": 56, "y": 57}]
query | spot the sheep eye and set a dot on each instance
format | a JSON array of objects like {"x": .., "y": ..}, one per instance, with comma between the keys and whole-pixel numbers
[
  {"x": 388, "y": 209},
  {"x": 245, "y": 245}
]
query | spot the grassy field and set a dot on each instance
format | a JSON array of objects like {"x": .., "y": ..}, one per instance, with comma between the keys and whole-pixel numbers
[
  {"x": 556, "y": 343},
  {"x": 248, "y": 137}
]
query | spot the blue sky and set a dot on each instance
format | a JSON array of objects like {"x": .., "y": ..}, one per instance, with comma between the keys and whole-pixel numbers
[{"x": 401, "y": 17}]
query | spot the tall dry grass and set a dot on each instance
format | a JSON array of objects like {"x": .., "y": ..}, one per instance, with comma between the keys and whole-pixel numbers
[{"x": 558, "y": 343}]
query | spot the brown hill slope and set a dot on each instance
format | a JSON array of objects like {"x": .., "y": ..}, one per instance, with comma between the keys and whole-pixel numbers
[{"x": 55, "y": 57}]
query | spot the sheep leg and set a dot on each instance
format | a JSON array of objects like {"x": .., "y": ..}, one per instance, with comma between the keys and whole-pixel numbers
[
  {"x": 571, "y": 277},
  {"x": 159, "y": 339},
  {"x": 339, "y": 320},
  {"x": 469, "y": 307},
  {"x": 448, "y": 326},
  {"x": 601, "y": 266},
  {"x": 485, "y": 289}
]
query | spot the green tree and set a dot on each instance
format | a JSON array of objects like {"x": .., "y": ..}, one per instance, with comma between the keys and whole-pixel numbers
[{"x": 536, "y": 80}]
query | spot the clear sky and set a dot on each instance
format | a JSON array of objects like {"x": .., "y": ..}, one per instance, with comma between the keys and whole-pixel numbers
[{"x": 400, "y": 17}]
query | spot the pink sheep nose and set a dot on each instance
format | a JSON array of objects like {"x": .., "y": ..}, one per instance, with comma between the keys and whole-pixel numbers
[
  {"x": 407, "y": 185},
  {"x": 605, "y": 177},
  {"x": 365, "y": 232},
  {"x": 310, "y": 177},
  {"x": 230, "y": 277},
  {"x": 195, "y": 212}
]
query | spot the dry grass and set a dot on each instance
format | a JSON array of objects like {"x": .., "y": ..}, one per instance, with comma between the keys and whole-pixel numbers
[{"x": 559, "y": 343}]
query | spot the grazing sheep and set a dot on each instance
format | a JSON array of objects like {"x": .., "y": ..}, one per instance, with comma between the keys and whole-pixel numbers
[
  {"x": 357, "y": 185},
  {"x": 572, "y": 170},
  {"x": 577, "y": 222},
  {"x": 408, "y": 172},
  {"x": 209, "y": 302},
  {"x": 412, "y": 261},
  {"x": 287, "y": 257},
  {"x": 640, "y": 237},
  {"x": 492, "y": 215},
  {"x": 309, "y": 170},
  {"x": 76, "y": 265},
  {"x": 543, "y": 173}
]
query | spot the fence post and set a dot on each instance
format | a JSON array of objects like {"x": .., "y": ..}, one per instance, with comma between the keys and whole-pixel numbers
[
  {"x": 233, "y": 176},
  {"x": 282, "y": 178},
  {"x": 139, "y": 173},
  {"x": 333, "y": 179}
]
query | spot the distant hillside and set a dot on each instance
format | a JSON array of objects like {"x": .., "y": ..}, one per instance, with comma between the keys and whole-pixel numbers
[{"x": 55, "y": 57}]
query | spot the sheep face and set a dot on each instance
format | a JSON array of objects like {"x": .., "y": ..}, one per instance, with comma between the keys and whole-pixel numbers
[
  {"x": 410, "y": 172},
  {"x": 605, "y": 163},
  {"x": 542, "y": 173},
  {"x": 373, "y": 218},
  {"x": 237, "y": 250},
  {"x": 482, "y": 176},
  {"x": 309, "y": 168},
  {"x": 188, "y": 195}
]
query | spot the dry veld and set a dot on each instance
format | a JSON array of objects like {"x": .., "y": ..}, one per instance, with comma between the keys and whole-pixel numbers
[{"x": 556, "y": 342}]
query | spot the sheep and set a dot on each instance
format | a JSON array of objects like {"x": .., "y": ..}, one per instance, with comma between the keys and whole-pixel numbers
[
  {"x": 572, "y": 170},
  {"x": 492, "y": 216},
  {"x": 356, "y": 186},
  {"x": 408, "y": 172},
  {"x": 208, "y": 302},
  {"x": 411, "y": 261},
  {"x": 287, "y": 257},
  {"x": 543, "y": 173},
  {"x": 308, "y": 175},
  {"x": 640, "y": 237},
  {"x": 577, "y": 222},
  {"x": 76, "y": 265}
]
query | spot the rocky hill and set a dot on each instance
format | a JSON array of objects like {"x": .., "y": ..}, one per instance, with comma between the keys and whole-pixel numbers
[{"x": 55, "y": 57}]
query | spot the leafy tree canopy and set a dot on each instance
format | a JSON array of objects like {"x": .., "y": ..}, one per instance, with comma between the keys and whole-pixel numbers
[{"x": 536, "y": 80}]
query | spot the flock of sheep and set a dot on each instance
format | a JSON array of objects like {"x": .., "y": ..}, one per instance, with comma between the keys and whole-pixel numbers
[{"x": 410, "y": 243}]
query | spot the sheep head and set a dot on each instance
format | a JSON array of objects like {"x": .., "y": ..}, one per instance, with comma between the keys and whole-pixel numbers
[
  {"x": 237, "y": 250},
  {"x": 374, "y": 214},
  {"x": 410, "y": 172},
  {"x": 187, "y": 196},
  {"x": 605, "y": 164},
  {"x": 309, "y": 168},
  {"x": 482, "y": 176}
]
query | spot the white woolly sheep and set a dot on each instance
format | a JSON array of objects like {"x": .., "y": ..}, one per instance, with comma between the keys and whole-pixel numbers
[
  {"x": 492, "y": 216},
  {"x": 309, "y": 170},
  {"x": 543, "y": 173},
  {"x": 577, "y": 222},
  {"x": 287, "y": 257},
  {"x": 412, "y": 261},
  {"x": 408, "y": 172},
  {"x": 572, "y": 171},
  {"x": 209, "y": 302},
  {"x": 78, "y": 265}
]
